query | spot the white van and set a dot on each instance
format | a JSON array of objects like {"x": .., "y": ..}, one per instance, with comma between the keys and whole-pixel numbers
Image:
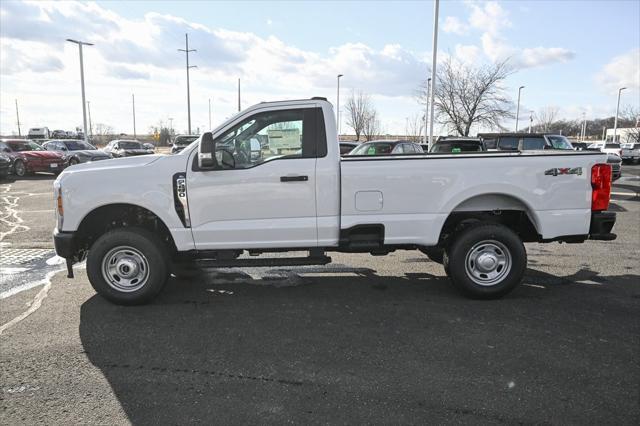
[{"x": 39, "y": 133}]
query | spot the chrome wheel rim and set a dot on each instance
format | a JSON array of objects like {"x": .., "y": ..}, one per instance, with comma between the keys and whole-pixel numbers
[
  {"x": 488, "y": 263},
  {"x": 125, "y": 269}
]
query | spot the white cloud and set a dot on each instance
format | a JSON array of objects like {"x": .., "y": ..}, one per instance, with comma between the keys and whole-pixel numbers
[
  {"x": 539, "y": 56},
  {"x": 489, "y": 17},
  {"x": 467, "y": 53},
  {"x": 621, "y": 71},
  {"x": 454, "y": 25}
]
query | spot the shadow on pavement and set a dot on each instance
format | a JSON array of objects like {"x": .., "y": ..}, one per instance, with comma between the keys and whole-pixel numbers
[{"x": 366, "y": 348}]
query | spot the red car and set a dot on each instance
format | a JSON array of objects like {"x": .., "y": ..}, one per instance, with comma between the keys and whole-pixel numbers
[{"x": 29, "y": 157}]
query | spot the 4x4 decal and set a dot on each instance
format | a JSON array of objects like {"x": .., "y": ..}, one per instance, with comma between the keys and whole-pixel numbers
[{"x": 564, "y": 171}]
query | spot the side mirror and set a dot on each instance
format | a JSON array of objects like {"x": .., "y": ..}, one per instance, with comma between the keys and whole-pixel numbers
[{"x": 206, "y": 157}]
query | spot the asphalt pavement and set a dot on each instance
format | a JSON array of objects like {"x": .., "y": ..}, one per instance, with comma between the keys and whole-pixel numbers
[{"x": 363, "y": 340}]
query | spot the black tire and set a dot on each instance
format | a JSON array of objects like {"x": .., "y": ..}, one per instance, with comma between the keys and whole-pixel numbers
[
  {"x": 479, "y": 247},
  {"x": 19, "y": 168},
  {"x": 129, "y": 244},
  {"x": 434, "y": 254}
]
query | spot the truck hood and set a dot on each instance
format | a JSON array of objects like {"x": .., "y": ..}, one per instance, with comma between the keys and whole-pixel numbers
[{"x": 116, "y": 163}]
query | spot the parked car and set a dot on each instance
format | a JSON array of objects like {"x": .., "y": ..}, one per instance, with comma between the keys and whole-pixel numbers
[
  {"x": 76, "y": 151},
  {"x": 29, "y": 157},
  {"x": 609, "y": 148},
  {"x": 39, "y": 133},
  {"x": 136, "y": 219},
  {"x": 5, "y": 165},
  {"x": 59, "y": 134},
  {"x": 347, "y": 147},
  {"x": 524, "y": 141},
  {"x": 180, "y": 142},
  {"x": 149, "y": 146},
  {"x": 384, "y": 147},
  {"x": 631, "y": 152},
  {"x": 457, "y": 145},
  {"x": 126, "y": 148}
]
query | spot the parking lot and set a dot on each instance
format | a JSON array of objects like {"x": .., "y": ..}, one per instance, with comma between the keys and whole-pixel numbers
[{"x": 364, "y": 339}]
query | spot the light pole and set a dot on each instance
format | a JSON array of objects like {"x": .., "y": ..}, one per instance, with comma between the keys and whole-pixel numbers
[
  {"x": 615, "y": 122},
  {"x": 338, "y": 105},
  {"x": 530, "y": 121},
  {"x": 170, "y": 126},
  {"x": 186, "y": 50},
  {"x": 90, "y": 126},
  {"x": 84, "y": 105},
  {"x": 518, "y": 107},
  {"x": 426, "y": 113},
  {"x": 18, "y": 118},
  {"x": 434, "y": 61},
  {"x": 133, "y": 100}
]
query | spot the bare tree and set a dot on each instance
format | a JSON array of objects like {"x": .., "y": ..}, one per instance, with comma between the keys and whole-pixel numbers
[
  {"x": 546, "y": 117},
  {"x": 102, "y": 133},
  {"x": 466, "y": 95},
  {"x": 372, "y": 126},
  {"x": 630, "y": 116},
  {"x": 358, "y": 107},
  {"x": 415, "y": 127}
]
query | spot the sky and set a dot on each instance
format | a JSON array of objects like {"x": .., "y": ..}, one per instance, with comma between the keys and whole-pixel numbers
[{"x": 573, "y": 55}]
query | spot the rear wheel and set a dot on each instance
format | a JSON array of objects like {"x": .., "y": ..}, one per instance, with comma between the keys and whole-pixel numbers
[
  {"x": 19, "y": 168},
  {"x": 128, "y": 266},
  {"x": 486, "y": 261}
]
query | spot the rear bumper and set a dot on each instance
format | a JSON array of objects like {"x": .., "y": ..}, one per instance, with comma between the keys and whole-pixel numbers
[
  {"x": 64, "y": 243},
  {"x": 602, "y": 225}
]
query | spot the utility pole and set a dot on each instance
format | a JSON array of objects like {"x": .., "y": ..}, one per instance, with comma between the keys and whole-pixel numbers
[
  {"x": 18, "y": 118},
  {"x": 170, "y": 126},
  {"x": 426, "y": 113},
  {"x": 434, "y": 61},
  {"x": 133, "y": 103},
  {"x": 239, "y": 95},
  {"x": 84, "y": 104},
  {"x": 90, "y": 126},
  {"x": 615, "y": 123},
  {"x": 209, "y": 113},
  {"x": 186, "y": 50},
  {"x": 338, "y": 106},
  {"x": 518, "y": 107}
]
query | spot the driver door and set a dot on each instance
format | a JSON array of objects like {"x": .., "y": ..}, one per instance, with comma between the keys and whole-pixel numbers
[{"x": 262, "y": 194}]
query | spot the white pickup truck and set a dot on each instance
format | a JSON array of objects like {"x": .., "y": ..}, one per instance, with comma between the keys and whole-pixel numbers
[{"x": 271, "y": 179}]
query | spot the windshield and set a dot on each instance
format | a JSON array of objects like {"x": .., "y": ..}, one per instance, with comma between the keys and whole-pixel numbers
[
  {"x": 457, "y": 146},
  {"x": 130, "y": 145},
  {"x": 378, "y": 148},
  {"x": 77, "y": 145},
  {"x": 560, "y": 142},
  {"x": 184, "y": 140},
  {"x": 19, "y": 146}
]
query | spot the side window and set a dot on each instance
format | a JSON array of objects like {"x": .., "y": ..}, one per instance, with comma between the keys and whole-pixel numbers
[
  {"x": 508, "y": 143},
  {"x": 399, "y": 149},
  {"x": 490, "y": 143},
  {"x": 533, "y": 143},
  {"x": 4, "y": 147},
  {"x": 296, "y": 133}
]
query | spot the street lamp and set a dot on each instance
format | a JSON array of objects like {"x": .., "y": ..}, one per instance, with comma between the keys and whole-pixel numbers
[
  {"x": 84, "y": 104},
  {"x": 426, "y": 114},
  {"x": 518, "y": 107},
  {"x": 434, "y": 61},
  {"x": 186, "y": 50},
  {"x": 615, "y": 122},
  {"x": 338, "y": 105}
]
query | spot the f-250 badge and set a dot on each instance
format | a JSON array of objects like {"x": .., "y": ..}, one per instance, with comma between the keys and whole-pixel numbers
[{"x": 564, "y": 171}]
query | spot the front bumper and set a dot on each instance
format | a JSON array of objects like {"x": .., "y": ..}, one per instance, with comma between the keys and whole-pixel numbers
[
  {"x": 602, "y": 225},
  {"x": 64, "y": 242}
]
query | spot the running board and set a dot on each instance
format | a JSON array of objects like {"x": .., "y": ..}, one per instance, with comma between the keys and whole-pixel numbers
[{"x": 264, "y": 262}]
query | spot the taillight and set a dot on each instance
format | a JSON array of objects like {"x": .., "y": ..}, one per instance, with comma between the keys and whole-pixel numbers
[{"x": 601, "y": 187}]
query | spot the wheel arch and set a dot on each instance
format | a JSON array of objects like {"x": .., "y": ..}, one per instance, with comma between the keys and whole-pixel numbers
[{"x": 120, "y": 215}]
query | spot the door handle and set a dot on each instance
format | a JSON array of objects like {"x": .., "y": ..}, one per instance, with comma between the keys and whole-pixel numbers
[{"x": 294, "y": 178}]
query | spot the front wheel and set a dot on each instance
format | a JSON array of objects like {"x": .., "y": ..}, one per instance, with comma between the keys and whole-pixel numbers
[
  {"x": 128, "y": 266},
  {"x": 486, "y": 261},
  {"x": 19, "y": 168}
]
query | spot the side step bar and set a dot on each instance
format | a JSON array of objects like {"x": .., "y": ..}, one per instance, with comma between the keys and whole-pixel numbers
[{"x": 271, "y": 261}]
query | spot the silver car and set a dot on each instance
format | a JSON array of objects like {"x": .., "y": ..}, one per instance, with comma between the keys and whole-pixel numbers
[{"x": 75, "y": 151}]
